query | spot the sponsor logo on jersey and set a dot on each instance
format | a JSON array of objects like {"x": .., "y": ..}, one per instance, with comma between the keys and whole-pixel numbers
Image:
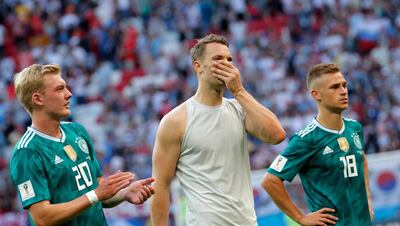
[
  {"x": 327, "y": 150},
  {"x": 26, "y": 190},
  {"x": 279, "y": 163},
  {"x": 343, "y": 144},
  {"x": 57, "y": 160},
  {"x": 357, "y": 141},
  {"x": 82, "y": 144},
  {"x": 70, "y": 152}
]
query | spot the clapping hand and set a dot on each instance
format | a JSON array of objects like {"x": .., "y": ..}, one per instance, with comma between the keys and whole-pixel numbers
[{"x": 139, "y": 191}]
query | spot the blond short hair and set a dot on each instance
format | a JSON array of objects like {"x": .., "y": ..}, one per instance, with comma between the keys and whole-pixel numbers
[
  {"x": 320, "y": 69},
  {"x": 198, "y": 49},
  {"x": 30, "y": 80}
]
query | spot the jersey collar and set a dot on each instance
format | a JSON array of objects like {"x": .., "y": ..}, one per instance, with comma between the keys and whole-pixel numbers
[
  {"x": 330, "y": 130},
  {"x": 61, "y": 140}
]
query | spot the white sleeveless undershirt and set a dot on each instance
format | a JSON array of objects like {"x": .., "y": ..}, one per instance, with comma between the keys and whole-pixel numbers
[{"x": 213, "y": 167}]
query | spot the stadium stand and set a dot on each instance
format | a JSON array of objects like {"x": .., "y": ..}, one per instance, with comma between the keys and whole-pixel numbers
[{"x": 127, "y": 63}]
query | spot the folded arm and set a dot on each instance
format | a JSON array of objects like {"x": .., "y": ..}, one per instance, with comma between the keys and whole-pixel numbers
[{"x": 260, "y": 121}]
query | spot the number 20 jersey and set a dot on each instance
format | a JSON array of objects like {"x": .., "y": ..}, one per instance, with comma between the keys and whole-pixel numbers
[
  {"x": 57, "y": 169},
  {"x": 330, "y": 166}
]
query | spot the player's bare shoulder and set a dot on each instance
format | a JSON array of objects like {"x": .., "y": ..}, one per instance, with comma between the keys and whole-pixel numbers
[{"x": 175, "y": 120}]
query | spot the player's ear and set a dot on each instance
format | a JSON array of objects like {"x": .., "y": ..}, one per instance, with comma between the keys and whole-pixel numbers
[
  {"x": 37, "y": 99},
  {"x": 197, "y": 67},
  {"x": 315, "y": 94}
]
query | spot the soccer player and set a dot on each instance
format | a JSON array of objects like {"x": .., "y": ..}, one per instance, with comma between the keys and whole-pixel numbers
[
  {"x": 54, "y": 166},
  {"x": 328, "y": 156},
  {"x": 204, "y": 143}
]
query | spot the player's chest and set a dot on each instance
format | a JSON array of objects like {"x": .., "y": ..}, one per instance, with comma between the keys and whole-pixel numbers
[
  {"x": 70, "y": 163},
  {"x": 66, "y": 154},
  {"x": 62, "y": 159},
  {"x": 341, "y": 153},
  {"x": 215, "y": 132}
]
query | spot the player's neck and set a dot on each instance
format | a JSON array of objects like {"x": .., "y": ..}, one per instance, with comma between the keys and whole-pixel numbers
[
  {"x": 210, "y": 97},
  {"x": 330, "y": 120},
  {"x": 47, "y": 126}
]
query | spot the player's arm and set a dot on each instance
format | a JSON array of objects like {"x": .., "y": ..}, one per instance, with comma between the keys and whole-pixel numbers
[
  {"x": 45, "y": 213},
  {"x": 277, "y": 191},
  {"x": 369, "y": 195},
  {"x": 260, "y": 121},
  {"x": 136, "y": 193},
  {"x": 165, "y": 156}
]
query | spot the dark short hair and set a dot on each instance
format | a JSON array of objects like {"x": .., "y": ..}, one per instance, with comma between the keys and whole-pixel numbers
[
  {"x": 320, "y": 69},
  {"x": 198, "y": 49}
]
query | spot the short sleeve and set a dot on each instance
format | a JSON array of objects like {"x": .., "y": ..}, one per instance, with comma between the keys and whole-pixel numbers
[
  {"x": 28, "y": 174},
  {"x": 292, "y": 159}
]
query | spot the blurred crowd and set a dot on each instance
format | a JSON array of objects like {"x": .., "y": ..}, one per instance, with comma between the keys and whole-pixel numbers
[{"x": 127, "y": 63}]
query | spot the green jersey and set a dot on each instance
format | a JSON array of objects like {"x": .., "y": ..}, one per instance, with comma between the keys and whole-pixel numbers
[
  {"x": 57, "y": 169},
  {"x": 330, "y": 166}
]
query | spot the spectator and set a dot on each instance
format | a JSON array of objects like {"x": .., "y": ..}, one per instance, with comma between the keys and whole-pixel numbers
[{"x": 132, "y": 63}]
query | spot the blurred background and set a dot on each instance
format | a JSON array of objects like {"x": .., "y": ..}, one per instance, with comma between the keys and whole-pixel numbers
[{"x": 127, "y": 63}]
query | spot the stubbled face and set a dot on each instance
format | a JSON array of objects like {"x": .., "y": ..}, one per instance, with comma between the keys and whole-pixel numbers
[
  {"x": 213, "y": 52},
  {"x": 56, "y": 97},
  {"x": 330, "y": 91}
]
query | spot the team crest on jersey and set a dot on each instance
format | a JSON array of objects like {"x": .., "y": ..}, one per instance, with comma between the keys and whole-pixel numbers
[
  {"x": 357, "y": 141},
  {"x": 70, "y": 152},
  {"x": 343, "y": 144},
  {"x": 82, "y": 144}
]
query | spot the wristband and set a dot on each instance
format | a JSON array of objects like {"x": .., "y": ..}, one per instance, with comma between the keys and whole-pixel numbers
[{"x": 91, "y": 195}]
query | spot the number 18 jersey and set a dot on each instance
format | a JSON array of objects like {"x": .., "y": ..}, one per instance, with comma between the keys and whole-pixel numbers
[
  {"x": 330, "y": 166},
  {"x": 57, "y": 169}
]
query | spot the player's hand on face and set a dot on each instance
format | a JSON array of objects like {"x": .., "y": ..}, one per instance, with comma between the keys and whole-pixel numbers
[
  {"x": 227, "y": 72},
  {"x": 109, "y": 186},
  {"x": 319, "y": 218},
  {"x": 139, "y": 191}
]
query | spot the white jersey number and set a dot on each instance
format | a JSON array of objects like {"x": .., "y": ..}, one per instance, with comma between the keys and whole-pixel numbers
[
  {"x": 350, "y": 166},
  {"x": 82, "y": 173}
]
